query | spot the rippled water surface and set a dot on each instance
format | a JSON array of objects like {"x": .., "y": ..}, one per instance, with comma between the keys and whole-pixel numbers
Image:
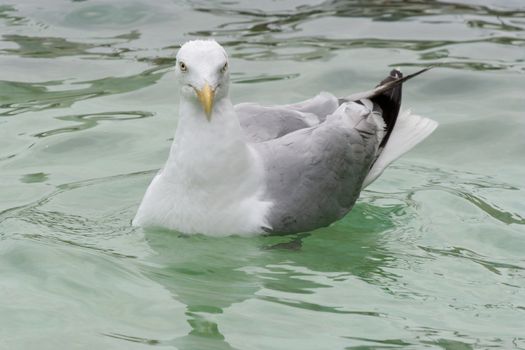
[{"x": 432, "y": 256}]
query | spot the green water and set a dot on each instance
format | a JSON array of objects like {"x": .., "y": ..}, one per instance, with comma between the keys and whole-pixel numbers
[{"x": 432, "y": 256}]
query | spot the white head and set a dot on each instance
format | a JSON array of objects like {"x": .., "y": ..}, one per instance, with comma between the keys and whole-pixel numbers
[{"x": 203, "y": 72}]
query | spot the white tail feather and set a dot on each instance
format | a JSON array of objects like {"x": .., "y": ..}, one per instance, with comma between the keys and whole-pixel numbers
[{"x": 409, "y": 130}]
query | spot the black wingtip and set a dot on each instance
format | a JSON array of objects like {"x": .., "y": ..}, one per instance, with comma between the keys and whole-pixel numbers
[
  {"x": 396, "y": 78},
  {"x": 399, "y": 78},
  {"x": 389, "y": 101},
  {"x": 388, "y": 97},
  {"x": 396, "y": 73}
]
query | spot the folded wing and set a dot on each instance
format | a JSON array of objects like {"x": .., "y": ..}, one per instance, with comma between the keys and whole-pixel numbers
[{"x": 320, "y": 153}]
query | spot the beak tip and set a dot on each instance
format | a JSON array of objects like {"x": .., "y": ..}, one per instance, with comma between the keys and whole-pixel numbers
[{"x": 206, "y": 96}]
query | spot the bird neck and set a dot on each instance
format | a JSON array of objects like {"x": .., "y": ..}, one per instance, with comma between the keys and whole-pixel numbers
[{"x": 211, "y": 152}]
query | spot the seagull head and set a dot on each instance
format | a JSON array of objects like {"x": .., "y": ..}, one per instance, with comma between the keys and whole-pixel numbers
[{"x": 203, "y": 72}]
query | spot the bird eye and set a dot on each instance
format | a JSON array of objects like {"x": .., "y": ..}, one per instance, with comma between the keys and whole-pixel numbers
[
  {"x": 224, "y": 68},
  {"x": 183, "y": 67}
]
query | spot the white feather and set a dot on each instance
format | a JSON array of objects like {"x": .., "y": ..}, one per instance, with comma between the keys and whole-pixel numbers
[{"x": 409, "y": 130}]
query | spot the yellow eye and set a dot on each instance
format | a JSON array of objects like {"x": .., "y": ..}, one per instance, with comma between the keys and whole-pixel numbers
[
  {"x": 183, "y": 67},
  {"x": 224, "y": 68}
]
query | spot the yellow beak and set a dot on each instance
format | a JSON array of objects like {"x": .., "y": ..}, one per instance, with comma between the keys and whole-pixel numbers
[{"x": 206, "y": 96}]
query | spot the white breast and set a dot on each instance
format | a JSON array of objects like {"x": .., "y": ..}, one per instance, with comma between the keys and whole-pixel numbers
[{"x": 211, "y": 183}]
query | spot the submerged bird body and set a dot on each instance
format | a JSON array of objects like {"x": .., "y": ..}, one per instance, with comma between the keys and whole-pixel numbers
[{"x": 250, "y": 169}]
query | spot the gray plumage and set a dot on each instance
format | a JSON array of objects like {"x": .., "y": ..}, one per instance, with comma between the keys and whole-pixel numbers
[
  {"x": 316, "y": 156},
  {"x": 263, "y": 123},
  {"x": 319, "y": 154}
]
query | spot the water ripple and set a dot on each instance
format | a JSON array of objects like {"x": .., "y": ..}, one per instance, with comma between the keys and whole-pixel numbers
[
  {"x": 54, "y": 47},
  {"x": 472, "y": 187},
  {"x": 319, "y": 308},
  {"x": 20, "y": 97},
  {"x": 470, "y": 255},
  {"x": 87, "y": 121},
  {"x": 375, "y": 9},
  {"x": 6, "y": 13},
  {"x": 102, "y": 232}
]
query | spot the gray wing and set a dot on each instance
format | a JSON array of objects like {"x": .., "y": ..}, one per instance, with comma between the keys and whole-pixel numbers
[
  {"x": 263, "y": 123},
  {"x": 314, "y": 175}
]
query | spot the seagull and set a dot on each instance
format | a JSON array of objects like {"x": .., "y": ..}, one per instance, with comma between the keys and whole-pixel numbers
[{"x": 249, "y": 169}]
